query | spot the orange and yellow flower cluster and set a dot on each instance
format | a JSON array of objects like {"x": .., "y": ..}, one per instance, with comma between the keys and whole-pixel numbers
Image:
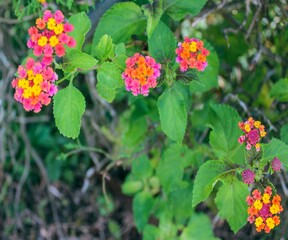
[
  {"x": 50, "y": 35},
  {"x": 192, "y": 54},
  {"x": 141, "y": 74},
  {"x": 264, "y": 209},
  {"x": 34, "y": 85},
  {"x": 253, "y": 132}
]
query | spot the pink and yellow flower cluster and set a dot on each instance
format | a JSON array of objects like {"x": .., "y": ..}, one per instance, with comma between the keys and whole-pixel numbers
[
  {"x": 35, "y": 82},
  {"x": 34, "y": 85},
  {"x": 264, "y": 209},
  {"x": 192, "y": 54},
  {"x": 50, "y": 35},
  {"x": 253, "y": 132},
  {"x": 141, "y": 74}
]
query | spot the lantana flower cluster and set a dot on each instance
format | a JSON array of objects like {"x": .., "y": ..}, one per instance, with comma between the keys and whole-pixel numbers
[
  {"x": 192, "y": 54},
  {"x": 253, "y": 132},
  {"x": 34, "y": 85},
  {"x": 141, "y": 74},
  {"x": 264, "y": 209},
  {"x": 50, "y": 35},
  {"x": 35, "y": 82}
]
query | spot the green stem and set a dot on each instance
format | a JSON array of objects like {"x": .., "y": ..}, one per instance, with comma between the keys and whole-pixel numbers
[{"x": 65, "y": 77}]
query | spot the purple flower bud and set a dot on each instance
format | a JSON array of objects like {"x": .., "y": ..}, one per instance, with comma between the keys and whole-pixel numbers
[
  {"x": 248, "y": 176},
  {"x": 276, "y": 164}
]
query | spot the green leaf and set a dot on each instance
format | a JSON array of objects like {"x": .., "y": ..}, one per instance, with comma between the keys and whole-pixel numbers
[
  {"x": 141, "y": 167},
  {"x": 120, "y": 22},
  {"x": 120, "y": 61},
  {"x": 224, "y": 120},
  {"x": 68, "y": 108},
  {"x": 199, "y": 227},
  {"x": 120, "y": 49},
  {"x": 209, "y": 77},
  {"x": 142, "y": 206},
  {"x": 284, "y": 133},
  {"x": 207, "y": 176},
  {"x": 150, "y": 232},
  {"x": 109, "y": 79},
  {"x": 131, "y": 187},
  {"x": 187, "y": 77},
  {"x": 105, "y": 92},
  {"x": 82, "y": 25},
  {"x": 231, "y": 202},
  {"x": 280, "y": 90},
  {"x": 77, "y": 59},
  {"x": 104, "y": 49},
  {"x": 180, "y": 203},
  {"x": 136, "y": 133},
  {"x": 178, "y": 9},
  {"x": 162, "y": 44},
  {"x": 153, "y": 12},
  {"x": 173, "y": 114},
  {"x": 275, "y": 148},
  {"x": 171, "y": 168}
]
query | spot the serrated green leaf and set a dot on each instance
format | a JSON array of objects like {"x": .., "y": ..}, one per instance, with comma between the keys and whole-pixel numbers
[
  {"x": 284, "y": 133},
  {"x": 68, "y": 108},
  {"x": 109, "y": 79},
  {"x": 171, "y": 168},
  {"x": 178, "y": 9},
  {"x": 153, "y": 12},
  {"x": 141, "y": 167},
  {"x": 162, "y": 44},
  {"x": 77, "y": 59},
  {"x": 142, "y": 206},
  {"x": 224, "y": 120},
  {"x": 231, "y": 203},
  {"x": 120, "y": 49},
  {"x": 120, "y": 22},
  {"x": 187, "y": 77},
  {"x": 280, "y": 90},
  {"x": 199, "y": 227},
  {"x": 173, "y": 114},
  {"x": 207, "y": 176},
  {"x": 209, "y": 77},
  {"x": 275, "y": 148},
  {"x": 120, "y": 61},
  {"x": 82, "y": 25},
  {"x": 104, "y": 49}
]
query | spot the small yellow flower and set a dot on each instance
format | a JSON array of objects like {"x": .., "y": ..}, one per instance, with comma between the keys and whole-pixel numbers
[
  {"x": 263, "y": 134},
  {"x": 27, "y": 93},
  {"x": 23, "y": 83},
  {"x": 258, "y": 205},
  {"x": 266, "y": 198},
  {"x": 42, "y": 41},
  {"x": 53, "y": 41},
  {"x": 38, "y": 79},
  {"x": 274, "y": 209},
  {"x": 257, "y": 124},
  {"x": 58, "y": 29},
  {"x": 258, "y": 221},
  {"x": 36, "y": 90},
  {"x": 247, "y": 127},
  {"x": 51, "y": 23},
  {"x": 193, "y": 47},
  {"x": 270, "y": 223},
  {"x": 30, "y": 74}
]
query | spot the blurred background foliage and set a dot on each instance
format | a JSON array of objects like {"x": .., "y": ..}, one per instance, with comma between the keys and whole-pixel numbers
[{"x": 52, "y": 187}]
